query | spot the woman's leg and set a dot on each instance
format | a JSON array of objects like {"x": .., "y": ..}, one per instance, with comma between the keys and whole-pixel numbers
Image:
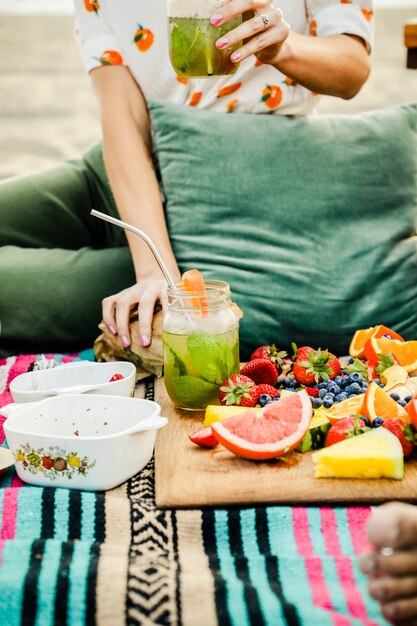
[{"x": 57, "y": 262}]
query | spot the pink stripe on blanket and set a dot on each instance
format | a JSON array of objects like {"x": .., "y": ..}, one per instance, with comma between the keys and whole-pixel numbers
[
  {"x": 313, "y": 566},
  {"x": 344, "y": 567},
  {"x": 357, "y": 518}
]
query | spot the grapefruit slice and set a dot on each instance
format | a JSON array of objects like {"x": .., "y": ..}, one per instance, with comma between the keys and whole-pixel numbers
[
  {"x": 378, "y": 403},
  {"x": 279, "y": 428},
  {"x": 359, "y": 339},
  {"x": 345, "y": 408},
  {"x": 193, "y": 283}
]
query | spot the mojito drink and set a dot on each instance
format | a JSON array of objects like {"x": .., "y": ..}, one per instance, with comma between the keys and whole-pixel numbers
[{"x": 196, "y": 365}]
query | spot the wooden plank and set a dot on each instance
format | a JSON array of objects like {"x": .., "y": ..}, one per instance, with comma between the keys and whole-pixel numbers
[{"x": 188, "y": 476}]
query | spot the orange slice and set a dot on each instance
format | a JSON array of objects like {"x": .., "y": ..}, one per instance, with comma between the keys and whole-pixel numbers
[
  {"x": 405, "y": 352},
  {"x": 345, "y": 408},
  {"x": 193, "y": 282},
  {"x": 411, "y": 409},
  {"x": 359, "y": 339},
  {"x": 378, "y": 403}
]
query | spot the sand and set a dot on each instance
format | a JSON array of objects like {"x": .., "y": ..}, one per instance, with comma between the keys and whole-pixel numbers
[{"x": 48, "y": 111}]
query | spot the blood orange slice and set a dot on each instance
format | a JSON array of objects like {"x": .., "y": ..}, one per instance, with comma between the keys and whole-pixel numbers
[
  {"x": 279, "y": 428},
  {"x": 193, "y": 283}
]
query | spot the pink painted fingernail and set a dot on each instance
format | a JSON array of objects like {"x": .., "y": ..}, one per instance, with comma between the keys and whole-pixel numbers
[
  {"x": 222, "y": 43},
  {"x": 235, "y": 56},
  {"x": 112, "y": 330},
  {"x": 145, "y": 341},
  {"x": 216, "y": 19},
  {"x": 125, "y": 341}
]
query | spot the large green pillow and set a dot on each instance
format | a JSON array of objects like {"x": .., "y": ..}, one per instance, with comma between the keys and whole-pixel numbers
[{"x": 311, "y": 220}]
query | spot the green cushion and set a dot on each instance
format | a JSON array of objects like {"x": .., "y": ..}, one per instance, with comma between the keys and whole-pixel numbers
[{"x": 311, "y": 220}]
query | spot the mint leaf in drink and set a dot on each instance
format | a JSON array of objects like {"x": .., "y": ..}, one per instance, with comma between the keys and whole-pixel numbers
[
  {"x": 183, "y": 43},
  {"x": 211, "y": 357},
  {"x": 172, "y": 358},
  {"x": 193, "y": 392}
]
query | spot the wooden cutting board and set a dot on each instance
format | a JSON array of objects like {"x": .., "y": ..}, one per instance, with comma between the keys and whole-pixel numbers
[{"x": 188, "y": 476}]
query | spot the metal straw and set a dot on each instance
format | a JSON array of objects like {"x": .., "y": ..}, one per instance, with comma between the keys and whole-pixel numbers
[{"x": 144, "y": 236}]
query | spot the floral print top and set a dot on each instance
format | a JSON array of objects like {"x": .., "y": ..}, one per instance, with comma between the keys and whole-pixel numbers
[{"x": 135, "y": 33}]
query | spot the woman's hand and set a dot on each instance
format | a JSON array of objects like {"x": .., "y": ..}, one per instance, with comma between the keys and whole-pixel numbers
[
  {"x": 116, "y": 308},
  {"x": 263, "y": 34}
]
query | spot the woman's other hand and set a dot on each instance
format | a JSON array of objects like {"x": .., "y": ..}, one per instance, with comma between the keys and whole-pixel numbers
[{"x": 263, "y": 34}]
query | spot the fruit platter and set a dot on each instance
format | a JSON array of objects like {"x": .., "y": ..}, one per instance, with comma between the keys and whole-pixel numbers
[{"x": 307, "y": 427}]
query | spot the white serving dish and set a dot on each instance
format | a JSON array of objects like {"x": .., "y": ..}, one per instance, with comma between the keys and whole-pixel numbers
[
  {"x": 92, "y": 442},
  {"x": 76, "y": 377}
]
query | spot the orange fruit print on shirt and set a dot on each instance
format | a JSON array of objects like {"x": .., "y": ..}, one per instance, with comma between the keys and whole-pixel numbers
[
  {"x": 91, "y": 5},
  {"x": 228, "y": 90},
  {"x": 143, "y": 38},
  {"x": 195, "y": 98},
  {"x": 111, "y": 57},
  {"x": 367, "y": 14},
  {"x": 272, "y": 96}
]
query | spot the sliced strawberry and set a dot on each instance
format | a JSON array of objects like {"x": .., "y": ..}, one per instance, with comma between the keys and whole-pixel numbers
[
  {"x": 204, "y": 438},
  {"x": 116, "y": 377},
  {"x": 261, "y": 371},
  {"x": 312, "y": 391}
]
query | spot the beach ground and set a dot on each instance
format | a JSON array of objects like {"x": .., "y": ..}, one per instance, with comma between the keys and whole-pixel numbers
[{"x": 48, "y": 112}]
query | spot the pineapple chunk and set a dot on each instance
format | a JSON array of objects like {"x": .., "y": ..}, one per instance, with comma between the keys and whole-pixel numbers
[
  {"x": 216, "y": 413},
  {"x": 375, "y": 454}
]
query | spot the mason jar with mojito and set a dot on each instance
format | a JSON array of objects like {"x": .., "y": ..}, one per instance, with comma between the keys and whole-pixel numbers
[
  {"x": 201, "y": 344},
  {"x": 192, "y": 39}
]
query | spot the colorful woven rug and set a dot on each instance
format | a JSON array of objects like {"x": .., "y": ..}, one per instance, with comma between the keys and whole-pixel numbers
[{"x": 81, "y": 558}]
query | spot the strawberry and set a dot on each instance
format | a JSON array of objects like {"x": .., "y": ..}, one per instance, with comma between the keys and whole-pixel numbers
[
  {"x": 116, "y": 377},
  {"x": 300, "y": 353},
  {"x": 261, "y": 371},
  {"x": 270, "y": 353},
  {"x": 312, "y": 391},
  {"x": 319, "y": 365},
  {"x": 239, "y": 390},
  {"x": 345, "y": 428},
  {"x": 404, "y": 432},
  {"x": 204, "y": 438},
  {"x": 269, "y": 389}
]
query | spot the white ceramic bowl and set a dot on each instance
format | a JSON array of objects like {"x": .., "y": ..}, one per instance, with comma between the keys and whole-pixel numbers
[
  {"x": 75, "y": 377},
  {"x": 92, "y": 442}
]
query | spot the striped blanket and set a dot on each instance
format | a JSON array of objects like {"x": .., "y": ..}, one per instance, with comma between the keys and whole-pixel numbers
[{"x": 81, "y": 558}]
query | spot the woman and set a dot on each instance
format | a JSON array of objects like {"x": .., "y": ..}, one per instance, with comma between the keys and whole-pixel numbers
[{"x": 309, "y": 47}]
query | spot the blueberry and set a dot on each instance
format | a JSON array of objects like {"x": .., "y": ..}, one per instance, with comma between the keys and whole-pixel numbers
[
  {"x": 286, "y": 382},
  {"x": 337, "y": 380},
  {"x": 347, "y": 390},
  {"x": 355, "y": 377},
  {"x": 355, "y": 388},
  {"x": 394, "y": 396},
  {"x": 378, "y": 421},
  {"x": 378, "y": 382},
  {"x": 364, "y": 387},
  {"x": 402, "y": 402},
  {"x": 408, "y": 398},
  {"x": 333, "y": 388},
  {"x": 322, "y": 385},
  {"x": 322, "y": 393},
  {"x": 264, "y": 398},
  {"x": 388, "y": 336},
  {"x": 365, "y": 421},
  {"x": 293, "y": 384},
  {"x": 328, "y": 402},
  {"x": 316, "y": 403},
  {"x": 351, "y": 360},
  {"x": 275, "y": 399},
  {"x": 344, "y": 383},
  {"x": 340, "y": 396},
  {"x": 352, "y": 395}
]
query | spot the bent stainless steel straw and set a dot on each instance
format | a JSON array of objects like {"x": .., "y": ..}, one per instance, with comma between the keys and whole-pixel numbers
[{"x": 142, "y": 235}]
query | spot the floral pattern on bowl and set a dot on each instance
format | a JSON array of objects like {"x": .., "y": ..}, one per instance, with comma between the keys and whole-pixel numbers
[{"x": 52, "y": 462}]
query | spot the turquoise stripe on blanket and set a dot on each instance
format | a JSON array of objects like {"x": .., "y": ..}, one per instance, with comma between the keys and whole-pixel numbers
[
  {"x": 235, "y": 591},
  {"x": 28, "y": 518},
  {"x": 78, "y": 583},
  {"x": 14, "y": 564},
  {"x": 47, "y": 583}
]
